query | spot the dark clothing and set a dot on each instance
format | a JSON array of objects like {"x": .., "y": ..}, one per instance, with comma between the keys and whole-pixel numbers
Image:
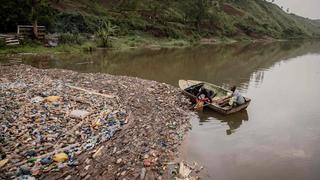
[{"x": 207, "y": 94}]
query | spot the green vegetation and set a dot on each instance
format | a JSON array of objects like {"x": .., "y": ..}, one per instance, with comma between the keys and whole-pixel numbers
[
  {"x": 2, "y": 43},
  {"x": 126, "y": 24},
  {"x": 86, "y": 45},
  {"x": 40, "y": 49},
  {"x": 69, "y": 38},
  {"x": 104, "y": 33}
]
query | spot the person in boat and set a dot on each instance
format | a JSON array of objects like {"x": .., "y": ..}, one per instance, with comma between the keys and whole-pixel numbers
[
  {"x": 236, "y": 97},
  {"x": 205, "y": 95}
]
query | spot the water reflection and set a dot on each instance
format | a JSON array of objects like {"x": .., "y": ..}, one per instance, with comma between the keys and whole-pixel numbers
[
  {"x": 219, "y": 64},
  {"x": 234, "y": 121}
]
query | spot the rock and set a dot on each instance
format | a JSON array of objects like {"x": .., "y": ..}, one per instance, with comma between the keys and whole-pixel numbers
[
  {"x": 79, "y": 114},
  {"x": 60, "y": 157}
]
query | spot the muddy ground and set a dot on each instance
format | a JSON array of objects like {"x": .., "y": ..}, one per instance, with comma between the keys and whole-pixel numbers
[{"x": 59, "y": 124}]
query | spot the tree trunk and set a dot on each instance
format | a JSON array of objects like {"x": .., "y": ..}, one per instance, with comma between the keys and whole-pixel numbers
[
  {"x": 34, "y": 19},
  {"x": 35, "y": 29}
]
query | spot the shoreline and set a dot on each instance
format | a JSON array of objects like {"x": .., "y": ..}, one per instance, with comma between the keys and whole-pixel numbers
[
  {"x": 122, "y": 44},
  {"x": 148, "y": 122}
]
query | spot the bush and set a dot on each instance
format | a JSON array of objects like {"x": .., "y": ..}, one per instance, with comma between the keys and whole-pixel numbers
[
  {"x": 292, "y": 32},
  {"x": 89, "y": 47},
  {"x": 2, "y": 43},
  {"x": 70, "y": 22},
  {"x": 78, "y": 23},
  {"x": 68, "y": 38},
  {"x": 30, "y": 42},
  {"x": 105, "y": 32}
]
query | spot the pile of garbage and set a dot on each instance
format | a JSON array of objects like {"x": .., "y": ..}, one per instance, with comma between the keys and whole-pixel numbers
[
  {"x": 64, "y": 124},
  {"x": 184, "y": 171}
]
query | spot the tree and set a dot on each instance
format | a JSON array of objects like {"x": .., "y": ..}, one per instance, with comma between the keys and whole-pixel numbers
[
  {"x": 198, "y": 11},
  {"x": 35, "y": 5},
  {"x": 105, "y": 31},
  {"x": 13, "y": 13}
]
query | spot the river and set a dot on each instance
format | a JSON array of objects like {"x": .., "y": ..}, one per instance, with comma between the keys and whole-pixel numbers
[{"x": 277, "y": 137}]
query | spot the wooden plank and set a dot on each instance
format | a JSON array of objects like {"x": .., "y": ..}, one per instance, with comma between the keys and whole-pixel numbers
[
  {"x": 8, "y": 39},
  {"x": 12, "y": 44},
  {"x": 31, "y": 29},
  {"x": 29, "y": 26},
  {"x": 27, "y": 31},
  {"x": 91, "y": 92},
  {"x": 13, "y": 40}
]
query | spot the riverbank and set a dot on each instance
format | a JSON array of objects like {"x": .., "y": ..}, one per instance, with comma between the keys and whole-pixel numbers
[
  {"x": 64, "y": 124},
  {"x": 125, "y": 43}
]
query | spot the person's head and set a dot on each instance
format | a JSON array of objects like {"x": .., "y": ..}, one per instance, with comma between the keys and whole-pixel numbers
[{"x": 233, "y": 88}]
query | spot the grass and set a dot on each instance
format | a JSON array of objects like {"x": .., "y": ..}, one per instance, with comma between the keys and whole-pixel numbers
[
  {"x": 119, "y": 43},
  {"x": 122, "y": 43},
  {"x": 147, "y": 41},
  {"x": 38, "y": 49}
]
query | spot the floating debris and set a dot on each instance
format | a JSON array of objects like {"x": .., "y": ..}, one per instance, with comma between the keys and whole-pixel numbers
[{"x": 113, "y": 126}]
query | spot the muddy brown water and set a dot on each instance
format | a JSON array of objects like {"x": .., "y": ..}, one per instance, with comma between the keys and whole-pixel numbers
[{"x": 277, "y": 137}]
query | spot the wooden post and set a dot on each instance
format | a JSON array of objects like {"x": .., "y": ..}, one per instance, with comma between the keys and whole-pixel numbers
[{"x": 35, "y": 28}]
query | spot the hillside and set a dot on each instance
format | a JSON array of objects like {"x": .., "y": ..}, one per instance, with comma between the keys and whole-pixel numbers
[{"x": 176, "y": 19}]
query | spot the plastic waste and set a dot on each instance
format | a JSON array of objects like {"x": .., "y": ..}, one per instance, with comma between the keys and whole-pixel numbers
[
  {"x": 46, "y": 161},
  {"x": 60, "y": 157},
  {"x": 53, "y": 98},
  {"x": 184, "y": 171},
  {"x": 3, "y": 162}
]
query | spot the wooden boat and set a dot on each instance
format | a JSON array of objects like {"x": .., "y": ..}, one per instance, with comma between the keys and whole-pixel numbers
[{"x": 190, "y": 88}]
